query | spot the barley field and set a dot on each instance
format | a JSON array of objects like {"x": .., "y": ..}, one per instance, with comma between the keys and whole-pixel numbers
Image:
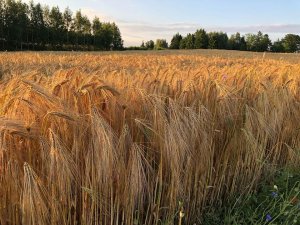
[{"x": 141, "y": 138}]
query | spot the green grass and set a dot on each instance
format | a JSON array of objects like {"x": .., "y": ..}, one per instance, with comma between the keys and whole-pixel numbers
[{"x": 275, "y": 202}]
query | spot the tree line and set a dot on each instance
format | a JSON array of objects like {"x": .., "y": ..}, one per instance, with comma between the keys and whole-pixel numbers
[
  {"x": 36, "y": 27},
  {"x": 219, "y": 40}
]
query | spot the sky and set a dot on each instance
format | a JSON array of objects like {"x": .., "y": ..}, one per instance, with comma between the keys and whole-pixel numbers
[{"x": 141, "y": 20}]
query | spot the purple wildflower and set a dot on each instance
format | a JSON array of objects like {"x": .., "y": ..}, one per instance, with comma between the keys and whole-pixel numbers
[
  {"x": 274, "y": 194},
  {"x": 268, "y": 218}
]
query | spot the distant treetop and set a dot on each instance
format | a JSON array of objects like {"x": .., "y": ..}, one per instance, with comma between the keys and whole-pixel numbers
[{"x": 219, "y": 40}]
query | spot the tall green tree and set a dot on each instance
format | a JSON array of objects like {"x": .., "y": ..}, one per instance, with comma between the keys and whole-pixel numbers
[
  {"x": 264, "y": 42},
  {"x": 78, "y": 27},
  {"x": 117, "y": 42},
  {"x": 46, "y": 15},
  {"x": 16, "y": 23},
  {"x": 40, "y": 28},
  {"x": 96, "y": 26},
  {"x": 213, "y": 40},
  {"x": 107, "y": 36},
  {"x": 258, "y": 42},
  {"x": 251, "y": 41},
  {"x": 2, "y": 24},
  {"x": 67, "y": 18},
  {"x": 277, "y": 46},
  {"x": 190, "y": 41},
  {"x": 86, "y": 30},
  {"x": 175, "y": 42},
  {"x": 56, "y": 24},
  {"x": 243, "y": 44},
  {"x": 201, "y": 39},
  {"x": 237, "y": 42},
  {"x": 234, "y": 42},
  {"x": 97, "y": 33},
  {"x": 37, "y": 26},
  {"x": 161, "y": 44},
  {"x": 150, "y": 45},
  {"x": 183, "y": 43},
  {"x": 222, "y": 40},
  {"x": 291, "y": 43}
]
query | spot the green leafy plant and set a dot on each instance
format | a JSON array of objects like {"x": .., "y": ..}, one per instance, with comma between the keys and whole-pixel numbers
[{"x": 275, "y": 202}]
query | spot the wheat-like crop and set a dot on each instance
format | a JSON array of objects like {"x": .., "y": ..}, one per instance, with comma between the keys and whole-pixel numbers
[{"x": 140, "y": 138}]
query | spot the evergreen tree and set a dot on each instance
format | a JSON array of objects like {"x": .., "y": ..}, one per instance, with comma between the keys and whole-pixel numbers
[
  {"x": 175, "y": 42},
  {"x": 183, "y": 43},
  {"x": 190, "y": 41},
  {"x": 243, "y": 44},
  {"x": 234, "y": 42},
  {"x": 201, "y": 39},
  {"x": 213, "y": 40}
]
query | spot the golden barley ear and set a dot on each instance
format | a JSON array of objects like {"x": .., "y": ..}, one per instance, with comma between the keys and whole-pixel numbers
[{"x": 35, "y": 208}]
